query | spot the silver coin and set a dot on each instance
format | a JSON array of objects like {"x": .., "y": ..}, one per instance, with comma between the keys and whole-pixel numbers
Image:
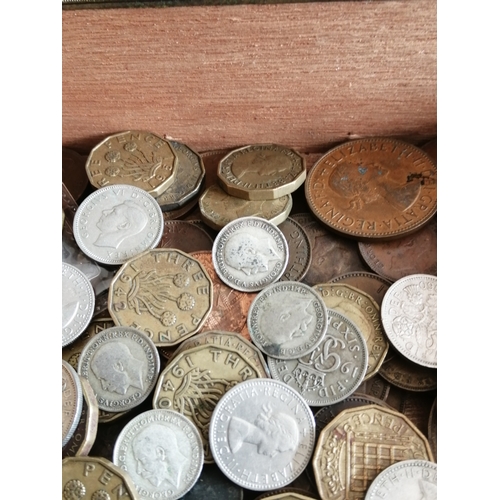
[
  {"x": 162, "y": 452},
  {"x": 116, "y": 223},
  {"x": 333, "y": 370},
  {"x": 262, "y": 434},
  {"x": 250, "y": 253},
  {"x": 408, "y": 479},
  {"x": 409, "y": 317},
  {"x": 78, "y": 302},
  {"x": 287, "y": 320},
  {"x": 72, "y": 401},
  {"x": 122, "y": 366}
]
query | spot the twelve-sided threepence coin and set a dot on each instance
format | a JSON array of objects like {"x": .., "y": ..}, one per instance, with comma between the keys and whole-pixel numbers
[
  {"x": 162, "y": 452},
  {"x": 409, "y": 316},
  {"x": 262, "y": 434},
  {"x": 78, "y": 302},
  {"x": 287, "y": 320},
  {"x": 122, "y": 365},
  {"x": 116, "y": 223},
  {"x": 332, "y": 371},
  {"x": 408, "y": 479},
  {"x": 250, "y": 253}
]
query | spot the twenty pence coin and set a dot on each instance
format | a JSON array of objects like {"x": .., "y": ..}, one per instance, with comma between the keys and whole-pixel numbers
[
  {"x": 262, "y": 434},
  {"x": 72, "y": 401},
  {"x": 376, "y": 188},
  {"x": 250, "y": 253},
  {"x": 162, "y": 452}
]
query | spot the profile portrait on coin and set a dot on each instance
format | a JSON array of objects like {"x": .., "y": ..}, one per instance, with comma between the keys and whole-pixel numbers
[
  {"x": 249, "y": 254},
  {"x": 264, "y": 164},
  {"x": 272, "y": 432},
  {"x": 116, "y": 368},
  {"x": 159, "y": 455},
  {"x": 427, "y": 490},
  {"x": 119, "y": 223}
]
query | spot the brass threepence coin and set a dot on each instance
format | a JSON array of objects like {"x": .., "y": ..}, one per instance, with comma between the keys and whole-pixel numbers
[
  {"x": 116, "y": 223},
  {"x": 250, "y": 253},
  {"x": 218, "y": 208},
  {"x": 95, "y": 478},
  {"x": 373, "y": 188},
  {"x": 230, "y": 306},
  {"x": 409, "y": 316},
  {"x": 141, "y": 159},
  {"x": 72, "y": 401},
  {"x": 360, "y": 443},
  {"x": 287, "y": 320},
  {"x": 408, "y": 479},
  {"x": 332, "y": 254},
  {"x": 78, "y": 301},
  {"x": 262, "y": 434},
  {"x": 162, "y": 452},
  {"x": 261, "y": 172},
  {"x": 122, "y": 366},
  {"x": 300, "y": 250},
  {"x": 415, "y": 253},
  {"x": 364, "y": 312},
  {"x": 194, "y": 381},
  {"x": 183, "y": 235},
  {"x": 332, "y": 371},
  {"x": 372, "y": 284},
  {"x": 188, "y": 178},
  {"x": 74, "y": 176},
  {"x": 165, "y": 293}
]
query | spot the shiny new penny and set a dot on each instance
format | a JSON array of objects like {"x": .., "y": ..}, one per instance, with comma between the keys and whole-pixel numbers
[
  {"x": 408, "y": 479},
  {"x": 415, "y": 253},
  {"x": 287, "y": 320},
  {"x": 164, "y": 292},
  {"x": 116, "y": 223},
  {"x": 300, "y": 250},
  {"x": 72, "y": 401},
  {"x": 250, "y": 253},
  {"x": 74, "y": 176},
  {"x": 409, "y": 316},
  {"x": 95, "y": 478},
  {"x": 188, "y": 178},
  {"x": 364, "y": 312},
  {"x": 261, "y": 172},
  {"x": 141, "y": 159},
  {"x": 78, "y": 300},
  {"x": 218, "y": 208},
  {"x": 378, "y": 188},
  {"x": 332, "y": 254},
  {"x": 372, "y": 284},
  {"x": 360, "y": 443},
  {"x": 183, "y": 235}
]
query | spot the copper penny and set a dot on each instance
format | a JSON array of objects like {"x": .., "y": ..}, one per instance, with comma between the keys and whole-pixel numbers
[
  {"x": 184, "y": 236},
  {"x": 372, "y": 284},
  {"x": 415, "y": 253},
  {"x": 74, "y": 176},
  {"x": 332, "y": 254},
  {"x": 378, "y": 188},
  {"x": 300, "y": 250}
]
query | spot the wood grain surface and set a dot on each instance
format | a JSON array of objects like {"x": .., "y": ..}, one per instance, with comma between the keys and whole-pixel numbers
[{"x": 306, "y": 75}]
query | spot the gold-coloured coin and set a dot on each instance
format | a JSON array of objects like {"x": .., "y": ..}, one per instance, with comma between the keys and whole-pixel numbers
[
  {"x": 261, "y": 172},
  {"x": 138, "y": 158},
  {"x": 218, "y": 208},
  {"x": 364, "y": 312},
  {"x": 360, "y": 443},
  {"x": 194, "y": 381},
  {"x": 164, "y": 292},
  {"x": 95, "y": 478}
]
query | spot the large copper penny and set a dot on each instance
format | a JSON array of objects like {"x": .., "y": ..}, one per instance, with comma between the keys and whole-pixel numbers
[
  {"x": 412, "y": 254},
  {"x": 373, "y": 188}
]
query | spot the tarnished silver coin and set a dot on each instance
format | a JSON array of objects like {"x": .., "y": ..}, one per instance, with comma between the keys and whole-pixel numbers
[
  {"x": 333, "y": 370},
  {"x": 78, "y": 301},
  {"x": 408, "y": 479},
  {"x": 72, "y": 401},
  {"x": 116, "y": 223},
  {"x": 250, "y": 253},
  {"x": 262, "y": 434},
  {"x": 162, "y": 452},
  {"x": 122, "y": 365},
  {"x": 409, "y": 316},
  {"x": 287, "y": 320}
]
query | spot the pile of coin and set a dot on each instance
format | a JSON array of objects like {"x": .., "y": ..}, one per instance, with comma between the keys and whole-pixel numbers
[{"x": 258, "y": 333}]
